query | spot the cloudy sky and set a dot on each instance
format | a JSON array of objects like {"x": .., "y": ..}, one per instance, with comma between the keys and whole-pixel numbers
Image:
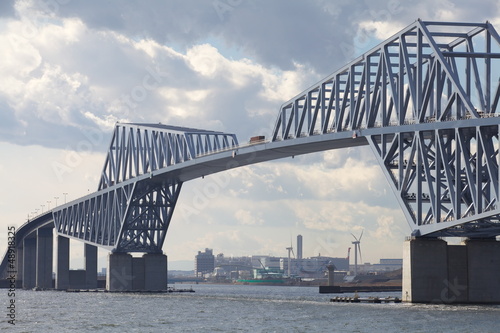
[{"x": 71, "y": 69}]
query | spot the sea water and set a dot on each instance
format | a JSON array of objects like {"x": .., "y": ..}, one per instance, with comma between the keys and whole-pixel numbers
[{"x": 235, "y": 308}]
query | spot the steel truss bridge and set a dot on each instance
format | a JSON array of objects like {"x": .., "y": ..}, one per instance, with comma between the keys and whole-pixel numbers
[{"x": 425, "y": 100}]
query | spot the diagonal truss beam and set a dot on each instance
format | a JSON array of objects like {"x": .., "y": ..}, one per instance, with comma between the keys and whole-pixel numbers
[
  {"x": 427, "y": 101},
  {"x": 138, "y": 149},
  {"x": 129, "y": 218}
]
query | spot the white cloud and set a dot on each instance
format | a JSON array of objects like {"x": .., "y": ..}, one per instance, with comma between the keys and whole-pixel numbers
[{"x": 246, "y": 217}]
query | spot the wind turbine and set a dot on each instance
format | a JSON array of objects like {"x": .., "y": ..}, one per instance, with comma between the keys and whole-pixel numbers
[
  {"x": 290, "y": 249},
  {"x": 356, "y": 249}
]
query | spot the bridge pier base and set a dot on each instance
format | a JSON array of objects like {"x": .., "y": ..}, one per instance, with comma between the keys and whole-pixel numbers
[
  {"x": 75, "y": 279},
  {"x": 119, "y": 274},
  {"x": 125, "y": 273},
  {"x": 62, "y": 269},
  {"x": 435, "y": 272},
  {"x": 90, "y": 253},
  {"x": 155, "y": 271},
  {"x": 44, "y": 251},
  {"x": 29, "y": 263},
  {"x": 484, "y": 271},
  {"x": 20, "y": 265}
]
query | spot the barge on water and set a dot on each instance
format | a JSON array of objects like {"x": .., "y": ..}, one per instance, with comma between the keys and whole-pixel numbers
[{"x": 356, "y": 299}]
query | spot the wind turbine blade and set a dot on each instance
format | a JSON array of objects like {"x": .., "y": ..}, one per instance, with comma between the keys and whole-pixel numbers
[
  {"x": 354, "y": 236},
  {"x": 361, "y": 235}
]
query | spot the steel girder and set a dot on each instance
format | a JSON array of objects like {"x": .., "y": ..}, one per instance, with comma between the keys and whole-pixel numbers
[
  {"x": 426, "y": 99},
  {"x": 96, "y": 218},
  {"x": 130, "y": 213},
  {"x": 446, "y": 180},
  {"x": 148, "y": 217},
  {"x": 124, "y": 218},
  {"x": 138, "y": 149}
]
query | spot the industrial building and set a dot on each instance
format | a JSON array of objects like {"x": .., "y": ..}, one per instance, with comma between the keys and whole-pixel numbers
[
  {"x": 204, "y": 263},
  {"x": 384, "y": 265},
  {"x": 262, "y": 265}
]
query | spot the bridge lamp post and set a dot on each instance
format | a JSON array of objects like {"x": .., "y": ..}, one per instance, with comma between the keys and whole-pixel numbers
[
  {"x": 56, "y": 200},
  {"x": 48, "y": 205},
  {"x": 42, "y": 207},
  {"x": 65, "y": 194}
]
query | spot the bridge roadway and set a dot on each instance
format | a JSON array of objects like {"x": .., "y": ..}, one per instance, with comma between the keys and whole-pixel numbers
[{"x": 424, "y": 100}]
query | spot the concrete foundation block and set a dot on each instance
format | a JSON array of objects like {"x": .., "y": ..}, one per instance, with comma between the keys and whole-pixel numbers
[
  {"x": 155, "y": 272},
  {"x": 44, "y": 253},
  {"x": 424, "y": 270},
  {"x": 148, "y": 273},
  {"x": 119, "y": 274},
  {"x": 90, "y": 252},
  {"x": 77, "y": 279},
  {"x": 483, "y": 271},
  {"x": 138, "y": 272},
  {"x": 19, "y": 266},
  {"x": 434, "y": 272},
  {"x": 62, "y": 263},
  {"x": 458, "y": 280},
  {"x": 29, "y": 263}
]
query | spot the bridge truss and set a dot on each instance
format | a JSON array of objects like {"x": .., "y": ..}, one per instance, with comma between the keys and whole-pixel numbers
[
  {"x": 132, "y": 209},
  {"x": 426, "y": 100}
]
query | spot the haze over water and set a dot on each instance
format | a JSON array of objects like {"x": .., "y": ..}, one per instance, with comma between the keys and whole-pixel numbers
[{"x": 237, "y": 308}]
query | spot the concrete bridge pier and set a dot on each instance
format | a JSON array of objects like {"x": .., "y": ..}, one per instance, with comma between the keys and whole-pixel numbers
[
  {"x": 62, "y": 263},
  {"x": 19, "y": 264},
  {"x": 155, "y": 271},
  {"x": 127, "y": 273},
  {"x": 29, "y": 262},
  {"x": 75, "y": 279},
  {"x": 435, "y": 272},
  {"x": 35, "y": 265},
  {"x": 90, "y": 254},
  {"x": 44, "y": 253}
]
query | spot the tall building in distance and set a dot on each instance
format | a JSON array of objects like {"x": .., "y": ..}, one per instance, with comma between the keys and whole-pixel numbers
[
  {"x": 204, "y": 262},
  {"x": 299, "y": 246}
]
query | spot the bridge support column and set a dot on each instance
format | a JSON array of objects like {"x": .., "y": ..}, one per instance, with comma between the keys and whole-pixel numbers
[
  {"x": 424, "y": 270},
  {"x": 29, "y": 263},
  {"x": 434, "y": 272},
  {"x": 119, "y": 276},
  {"x": 62, "y": 257},
  {"x": 483, "y": 261},
  {"x": 138, "y": 273},
  {"x": 19, "y": 266},
  {"x": 44, "y": 253},
  {"x": 146, "y": 273},
  {"x": 155, "y": 271},
  {"x": 90, "y": 266}
]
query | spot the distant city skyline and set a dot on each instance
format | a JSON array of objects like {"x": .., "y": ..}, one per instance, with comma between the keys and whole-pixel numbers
[{"x": 71, "y": 70}]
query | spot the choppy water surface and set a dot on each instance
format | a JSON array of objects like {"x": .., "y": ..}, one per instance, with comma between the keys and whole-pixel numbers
[{"x": 236, "y": 308}]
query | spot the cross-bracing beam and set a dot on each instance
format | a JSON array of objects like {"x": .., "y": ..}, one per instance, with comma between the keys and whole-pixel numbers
[{"x": 427, "y": 101}]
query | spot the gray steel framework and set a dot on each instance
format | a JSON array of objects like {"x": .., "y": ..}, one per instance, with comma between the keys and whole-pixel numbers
[
  {"x": 132, "y": 209},
  {"x": 138, "y": 149},
  {"x": 427, "y": 102}
]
